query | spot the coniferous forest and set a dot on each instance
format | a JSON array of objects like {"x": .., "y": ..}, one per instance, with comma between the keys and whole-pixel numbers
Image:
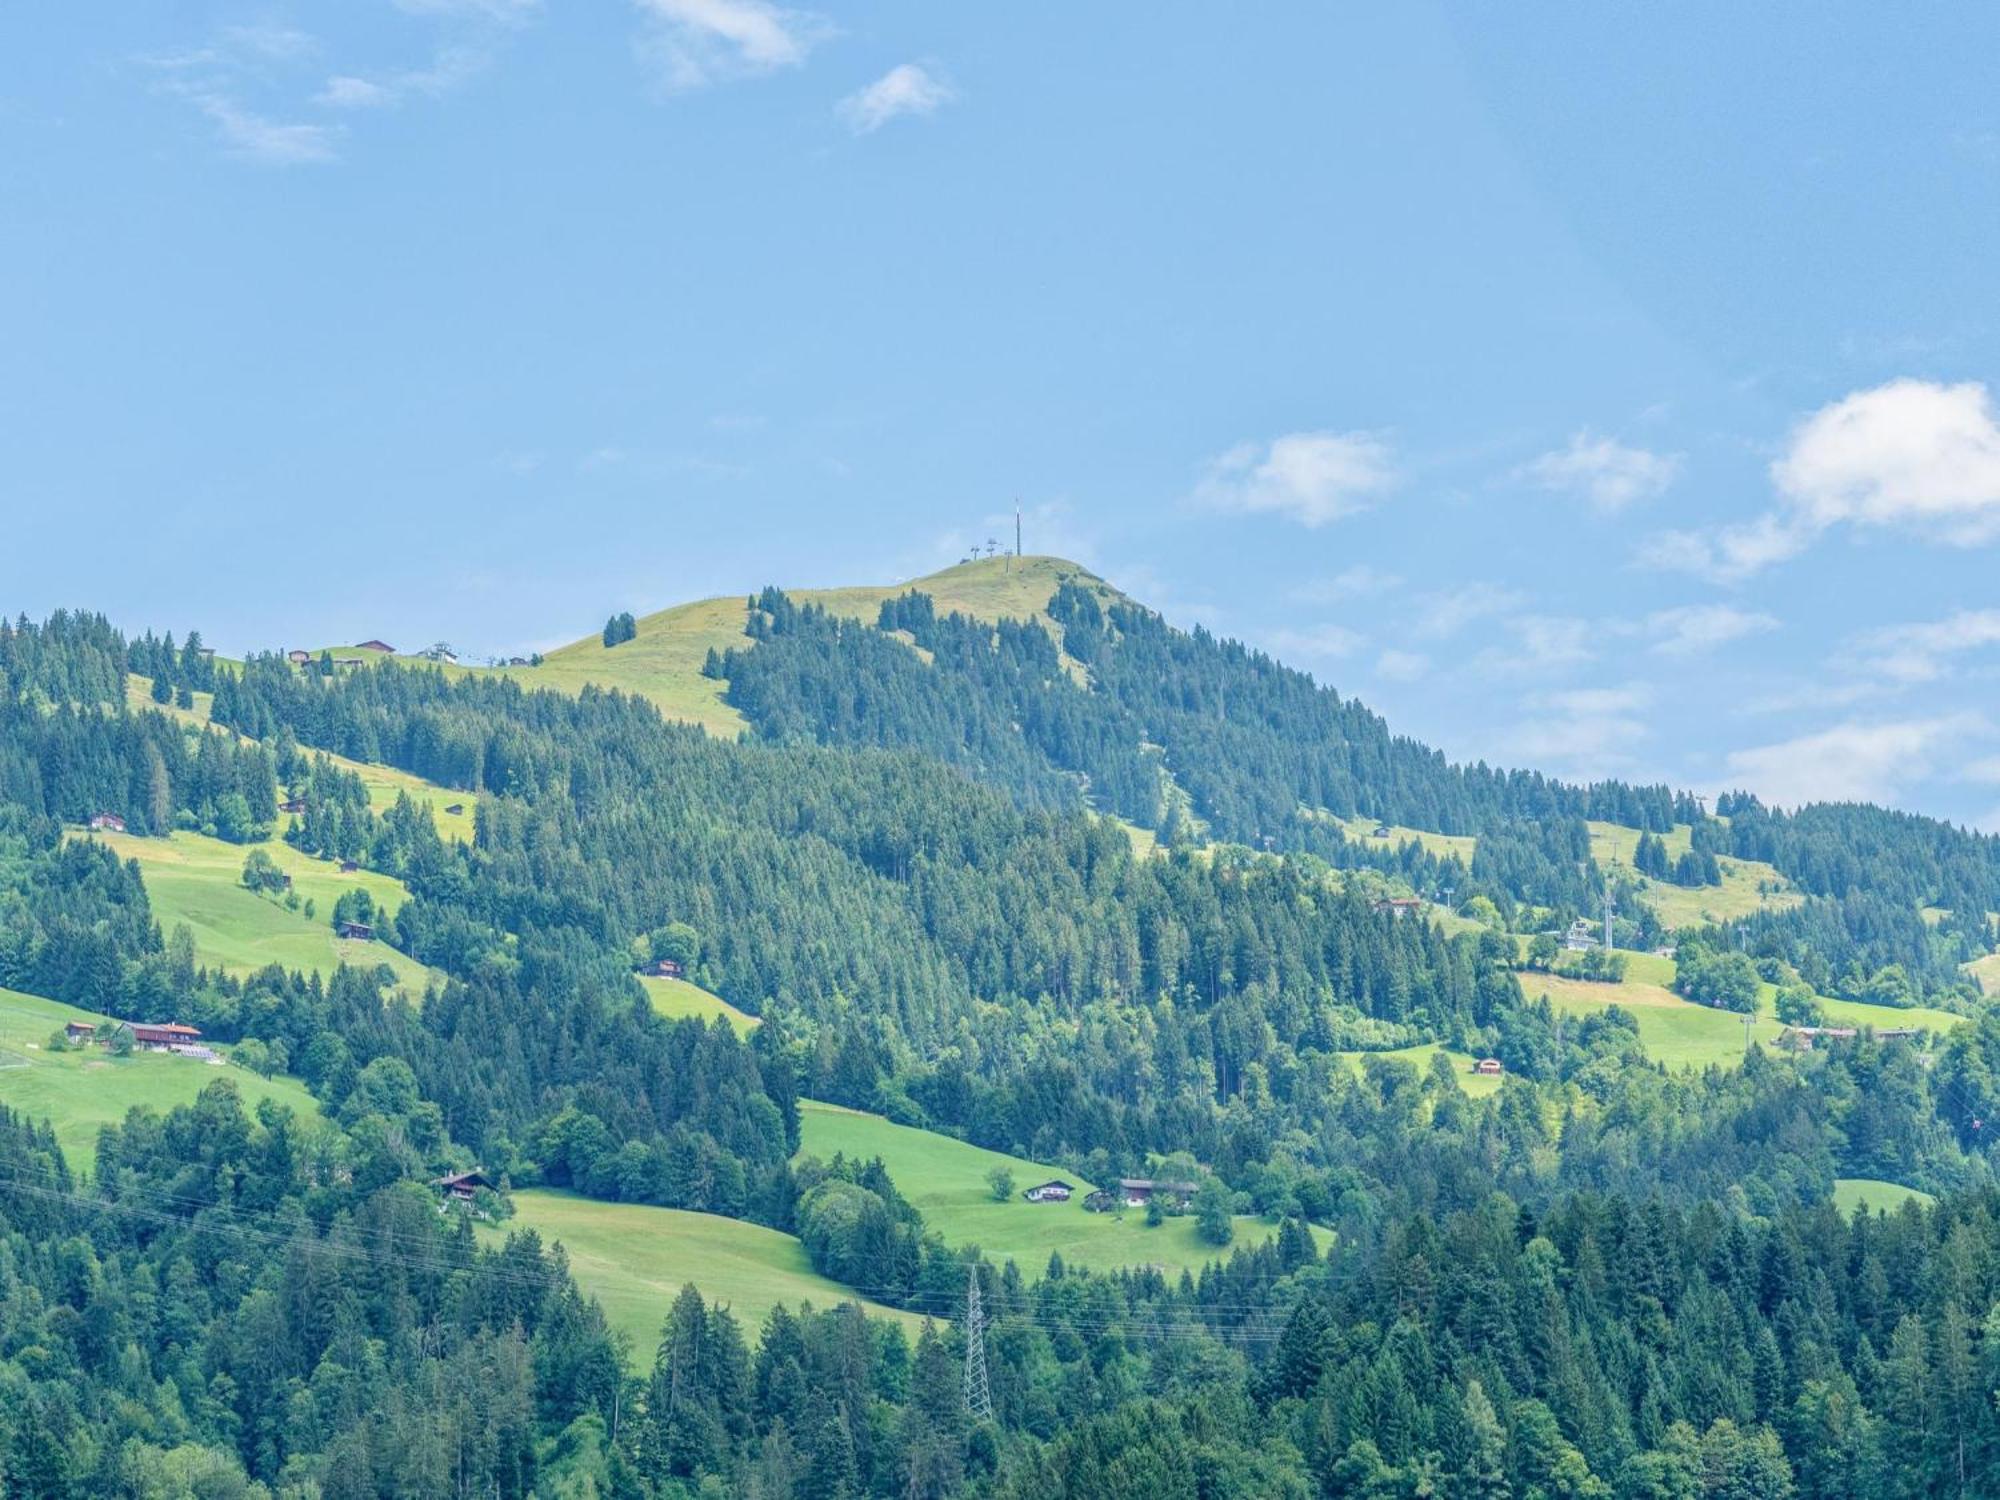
[{"x": 1608, "y": 1277}]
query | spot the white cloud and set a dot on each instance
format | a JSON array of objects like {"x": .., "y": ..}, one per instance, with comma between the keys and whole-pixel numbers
[
  {"x": 342, "y": 92},
  {"x": 451, "y": 67},
  {"x": 1851, "y": 762},
  {"x": 1728, "y": 555},
  {"x": 907, "y": 89},
  {"x": 1316, "y": 642},
  {"x": 1987, "y": 769},
  {"x": 1358, "y": 582},
  {"x": 269, "y": 41},
  {"x": 1585, "y": 732},
  {"x": 256, "y": 138},
  {"x": 1605, "y": 472},
  {"x": 1445, "y": 614},
  {"x": 1548, "y": 641},
  {"x": 1916, "y": 653},
  {"x": 1401, "y": 666},
  {"x": 1912, "y": 455},
  {"x": 1308, "y": 477},
  {"x": 694, "y": 42},
  {"x": 1694, "y": 628}
]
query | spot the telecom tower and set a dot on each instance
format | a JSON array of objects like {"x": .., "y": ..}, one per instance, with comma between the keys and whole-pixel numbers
[{"x": 978, "y": 1396}]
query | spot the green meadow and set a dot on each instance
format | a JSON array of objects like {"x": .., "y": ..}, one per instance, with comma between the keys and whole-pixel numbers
[
  {"x": 676, "y": 999},
  {"x": 1987, "y": 972},
  {"x": 197, "y": 880},
  {"x": 80, "y": 1092},
  {"x": 663, "y": 662},
  {"x": 946, "y": 1180},
  {"x": 1680, "y": 1033},
  {"x": 1362, "y": 831},
  {"x": 1747, "y": 885},
  {"x": 635, "y": 1259},
  {"x": 1478, "y": 1085},
  {"x": 1852, "y": 1194}
]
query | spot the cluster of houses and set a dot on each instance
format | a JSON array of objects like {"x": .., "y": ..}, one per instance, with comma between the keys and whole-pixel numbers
[
  {"x": 1805, "y": 1038},
  {"x": 299, "y": 657},
  {"x": 1398, "y": 906},
  {"x": 147, "y": 1036},
  {"x": 1132, "y": 1192}
]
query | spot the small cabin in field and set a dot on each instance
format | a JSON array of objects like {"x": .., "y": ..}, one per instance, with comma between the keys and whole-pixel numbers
[
  {"x": 383, "y": 646},
  {"x": 79, "y": 1033},
  {"x": 1488, "y": 1067},
  {"x": 360, "y": 932},
  {"x": 292, "y": 805},
  {"x": 455, "y": 809},
  {"x": 349, "y": 866},
  {"x": 1055, "y": 1190},
  {"x": 106, "y": 822},
  {"x": 298, "y": 658},
  {"x": 666, "y": 968},
  {"x": 1139, "y": 1191},
  {"x": 1383, "y": 831},
  {"x": 162, "y": 1036},
  {"x": 461, "y": 1187}
]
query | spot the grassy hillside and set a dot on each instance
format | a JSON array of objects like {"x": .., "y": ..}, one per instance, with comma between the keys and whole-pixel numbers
[
  {"x": 81, "y": 1092},
  {"x": 384, "y": 783},
  {"x": 1443, "y": 845},
  {"x": 1853, "y": 1193},
  {"x": 635, "y": 1259},
  {"x": 1478, "y": 1085},
  {"x": 1747, "y": 885},
  {"x": 676, "y": 998},
  {"x": 1987, "y": 971},
  {"x": 663, "y": 662},
  {"x": 198, "y": 880},
  {"x": 946, "y": 1180},
  {"x": 1679, "y": 1033}
]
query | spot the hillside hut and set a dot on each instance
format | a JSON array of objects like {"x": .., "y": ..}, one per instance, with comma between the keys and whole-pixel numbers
[{"x": 1055, "y": 1190}]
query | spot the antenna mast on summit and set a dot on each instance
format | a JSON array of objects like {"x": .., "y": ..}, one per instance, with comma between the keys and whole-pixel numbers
[{"x": 1017, "y": 528}]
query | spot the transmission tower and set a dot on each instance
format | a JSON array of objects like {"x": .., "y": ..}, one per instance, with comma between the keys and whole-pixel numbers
[
  {"x": 978, "y": 1396},
  {"x": 1610, "y": 905}
]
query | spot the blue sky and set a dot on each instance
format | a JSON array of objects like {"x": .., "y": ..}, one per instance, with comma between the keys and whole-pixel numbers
[{"x": 1596, "y": 388}]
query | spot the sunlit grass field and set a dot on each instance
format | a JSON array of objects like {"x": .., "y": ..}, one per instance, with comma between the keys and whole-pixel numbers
[
  {"x": 676, "y": 998},
  {"x": 946, "y": 1179},
  {"x": 197, "y": 880},
  {"x": 635, "y": 1259},
  {"x": 80, "y": 1092},
  {"x": 1851, "y": 1194},
  {"x": 663, "y": 662},
  {"x": 1478, "y": 1085}
]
